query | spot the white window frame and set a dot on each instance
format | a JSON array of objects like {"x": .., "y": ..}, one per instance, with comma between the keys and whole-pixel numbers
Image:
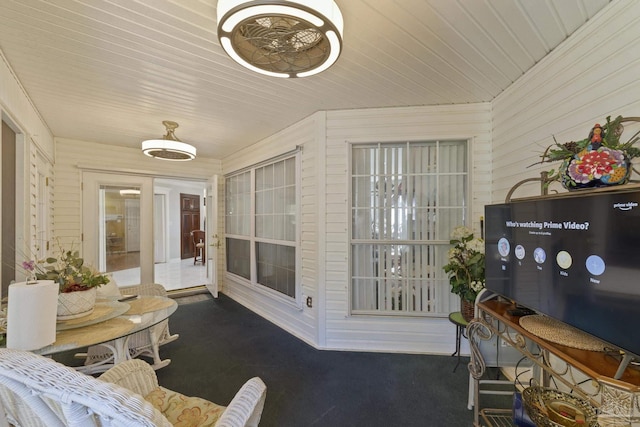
[{"x": 251, "y": 237}]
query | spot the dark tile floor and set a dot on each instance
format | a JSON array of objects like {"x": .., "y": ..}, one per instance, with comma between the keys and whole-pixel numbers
[{"x": 222, "y": 344}]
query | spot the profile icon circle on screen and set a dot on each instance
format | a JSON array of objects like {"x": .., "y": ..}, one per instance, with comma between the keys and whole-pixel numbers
[
  {"x": 595, "y": 265},
  {"x": 503, "y": 247},
  {"x": 539, "y": 255},
  {"x": 564, "y": 259},
  {"x": 519, "y": 251}
]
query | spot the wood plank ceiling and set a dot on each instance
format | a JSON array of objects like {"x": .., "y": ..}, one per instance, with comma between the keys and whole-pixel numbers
[{"x": 110, "y": 71}]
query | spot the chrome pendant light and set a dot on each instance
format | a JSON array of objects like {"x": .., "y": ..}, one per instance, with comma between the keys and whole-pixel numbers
[
  {"x": 281, "y": 38},
  {"x": 169, "y": 147}
]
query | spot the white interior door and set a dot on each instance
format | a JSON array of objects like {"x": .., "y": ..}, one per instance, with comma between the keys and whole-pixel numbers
[{"x": 212, "y": 234}]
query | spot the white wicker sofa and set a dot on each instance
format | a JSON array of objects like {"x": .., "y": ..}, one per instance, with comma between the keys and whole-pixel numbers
[{"x": 37, "y": 391}]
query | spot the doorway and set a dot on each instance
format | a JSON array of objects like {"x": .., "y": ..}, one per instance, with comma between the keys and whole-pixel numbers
[
  {"x": 115, "y": 239},
  {"x": 151, "y": 251},
  {"x": 189, "y": 221},
  {"x": 172, "y": 269}
]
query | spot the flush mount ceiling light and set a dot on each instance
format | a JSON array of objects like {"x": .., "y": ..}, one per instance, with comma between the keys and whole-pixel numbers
[
  {"x": 281, "y": 38},
  {"x": 169, "y": 147}
]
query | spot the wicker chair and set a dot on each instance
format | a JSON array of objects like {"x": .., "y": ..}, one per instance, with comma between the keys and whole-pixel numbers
[
  {"x": 38, "y": 392},
  {"x": 99, "y": 358}
]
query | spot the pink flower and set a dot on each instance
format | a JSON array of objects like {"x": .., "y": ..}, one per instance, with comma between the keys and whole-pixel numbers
[{"x": 29, "y": 265}]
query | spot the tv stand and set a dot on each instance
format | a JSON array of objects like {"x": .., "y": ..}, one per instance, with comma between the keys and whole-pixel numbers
[
  {"x": 624, "y": 364},
  {"x": 608, "y": 384}
]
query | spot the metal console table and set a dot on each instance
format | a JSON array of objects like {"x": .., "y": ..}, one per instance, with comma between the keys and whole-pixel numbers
[{"x": 588, "y": 374}]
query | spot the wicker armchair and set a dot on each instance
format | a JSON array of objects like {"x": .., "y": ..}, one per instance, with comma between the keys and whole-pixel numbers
[
  {"x": 38, "y": 392},
  {"x": 99, "y": 358}
]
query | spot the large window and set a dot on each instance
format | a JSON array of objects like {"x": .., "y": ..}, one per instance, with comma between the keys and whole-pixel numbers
[
  {"x": 260, "y": 224},
  {"x": 405, "y": 200}
]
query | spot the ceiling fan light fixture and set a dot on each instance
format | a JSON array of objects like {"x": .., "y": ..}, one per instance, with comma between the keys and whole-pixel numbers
[
  {"x": 169, "y": 147},
  {"x": 281, "y": 38}
]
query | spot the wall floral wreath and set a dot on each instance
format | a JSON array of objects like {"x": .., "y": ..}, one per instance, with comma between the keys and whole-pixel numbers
[{"x": 601, "y": 159}]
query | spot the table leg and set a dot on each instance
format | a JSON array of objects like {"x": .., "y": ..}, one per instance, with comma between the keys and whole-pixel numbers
[
  {"x": 457, "y": 352},
  {"x": 457, "y": 341},
  {"x": 121, "y": 350}
]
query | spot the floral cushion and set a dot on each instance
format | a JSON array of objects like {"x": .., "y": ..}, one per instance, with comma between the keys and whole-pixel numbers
[{"x": 184, "y": 411}]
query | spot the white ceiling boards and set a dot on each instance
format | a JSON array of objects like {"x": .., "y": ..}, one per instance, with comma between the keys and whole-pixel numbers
[{"x": 139, "y": 63}]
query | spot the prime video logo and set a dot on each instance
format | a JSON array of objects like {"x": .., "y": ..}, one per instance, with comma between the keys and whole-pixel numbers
[{"x": 626, "y": 206}]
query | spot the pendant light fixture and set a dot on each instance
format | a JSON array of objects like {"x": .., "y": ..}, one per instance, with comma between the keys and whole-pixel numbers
[
  {"x": 169, "y": 147},
  {"x": 281, "y": 38}
]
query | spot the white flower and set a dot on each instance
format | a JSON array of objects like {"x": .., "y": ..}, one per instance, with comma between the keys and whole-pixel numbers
[
  {"x": 476, "y": 245},
  {"x": 461, "y": 231},
  {"x": 453, "y": 253},
  {"x": 477, "y": 285}
]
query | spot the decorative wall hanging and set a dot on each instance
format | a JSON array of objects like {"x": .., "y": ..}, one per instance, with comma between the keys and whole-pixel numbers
[{"x": 599, "y": 160}]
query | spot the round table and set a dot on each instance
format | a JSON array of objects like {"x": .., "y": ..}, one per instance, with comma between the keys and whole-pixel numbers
[{"x": 141, "y": 313}]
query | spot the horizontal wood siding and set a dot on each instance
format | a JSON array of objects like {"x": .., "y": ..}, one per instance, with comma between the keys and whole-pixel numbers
[
  {"x": 592, "y": 75},
  {"x": 298, "y": 319},
  {"x": 72, "y": 156},
  {"x": 380, "y": 333},
  {"x": 15, "y": 102}
]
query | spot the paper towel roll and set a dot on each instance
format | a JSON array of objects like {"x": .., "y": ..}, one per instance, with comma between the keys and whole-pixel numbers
[{"x": 31, "y": 314}]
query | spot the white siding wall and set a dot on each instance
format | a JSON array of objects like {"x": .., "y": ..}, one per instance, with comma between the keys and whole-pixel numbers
[
  {"x": 593, "y": 74},
  {"x": 379, "y": 333},
  {"x": 325, "y": 221},
  {"x": 299, "y": 319},
  {"x": 72, "y": 155}
]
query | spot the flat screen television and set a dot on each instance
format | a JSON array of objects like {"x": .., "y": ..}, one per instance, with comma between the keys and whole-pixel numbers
[{"x": 575, "y": 258}]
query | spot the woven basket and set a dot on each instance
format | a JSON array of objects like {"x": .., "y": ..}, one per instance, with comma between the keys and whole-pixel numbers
[
  {"x": 72, "y": 305},
  {"x": 467, "y": 309},
  {"x": 537, "y": 401}
]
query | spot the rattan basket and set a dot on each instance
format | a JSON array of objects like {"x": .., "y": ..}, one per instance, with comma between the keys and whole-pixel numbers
[
  {"x": 539, "y": 402},
  {"x": 467, "y": 309}
]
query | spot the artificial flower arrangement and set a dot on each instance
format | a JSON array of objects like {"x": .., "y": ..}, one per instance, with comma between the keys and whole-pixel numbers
[
  {"x": 67, "y": 269},
  {"x": 466, "y": 264},
  {"x": 601, "y": 159}
]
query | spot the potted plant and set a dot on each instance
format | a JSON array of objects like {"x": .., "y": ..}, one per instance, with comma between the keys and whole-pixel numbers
[
  {"x": 466, "y": 268},
  {"x": 77, "y": 282}
]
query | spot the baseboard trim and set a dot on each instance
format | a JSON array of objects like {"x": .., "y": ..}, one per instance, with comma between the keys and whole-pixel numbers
[{"x": 179, "y": 293}]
